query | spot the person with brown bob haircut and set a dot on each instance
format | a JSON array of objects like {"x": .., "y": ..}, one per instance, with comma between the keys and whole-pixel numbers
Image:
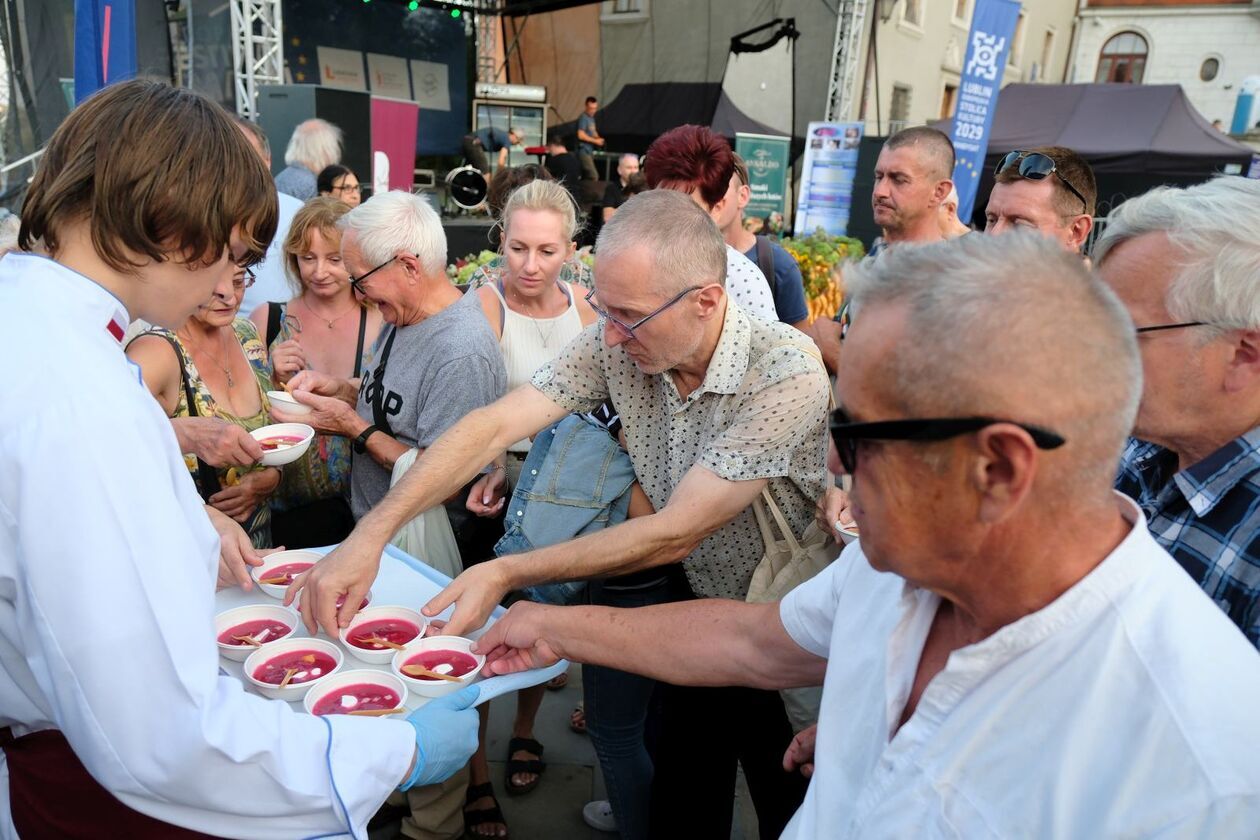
[{"x": 114, "y": 717}]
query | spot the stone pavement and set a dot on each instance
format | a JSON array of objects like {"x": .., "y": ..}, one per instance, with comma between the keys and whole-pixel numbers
[{"x": 553, "y": 810}]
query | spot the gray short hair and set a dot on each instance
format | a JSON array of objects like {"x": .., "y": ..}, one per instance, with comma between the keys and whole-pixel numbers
[
  {"x": 255, "y": 131},
  {"x": 1013, "y": 327},
  {"x": 1216, "y": 226},
  {"x": 686, "y": 245},
  {"x": 314, "y": 144},
  {"x": 395, "y": 222}
]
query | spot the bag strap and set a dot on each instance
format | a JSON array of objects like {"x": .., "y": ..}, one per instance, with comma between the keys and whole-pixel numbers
[
  {"x": 273, "y": 323},
  {"x": 358, "y": 347},
  {"x": 207, "y": 476},
  {"x": 765, "y": 261}
]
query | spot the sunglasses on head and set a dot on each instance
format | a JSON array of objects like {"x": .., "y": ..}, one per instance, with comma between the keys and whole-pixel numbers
[
  {"x": 1035, "y": 166},
  {"x": 848, "y": 435}
]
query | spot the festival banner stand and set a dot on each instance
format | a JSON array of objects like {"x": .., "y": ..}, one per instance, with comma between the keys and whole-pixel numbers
[
  {"x": 989, "y": 42},
  {"x": 829, "y": 164},
  {"x": 768, "y": 158}
]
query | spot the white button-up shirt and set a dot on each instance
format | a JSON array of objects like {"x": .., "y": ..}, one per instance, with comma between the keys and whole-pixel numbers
[
  {"x": 107, "y": 574},
  {"x": 748, "y": 287},
  {"x": 1125, "y": 708}
]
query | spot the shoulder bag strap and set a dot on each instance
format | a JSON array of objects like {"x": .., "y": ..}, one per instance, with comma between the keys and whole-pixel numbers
[
  {"x": 207, "y": 476},
  {"x": 358, "y": 347},
  {"x": 273, "y": 323}
]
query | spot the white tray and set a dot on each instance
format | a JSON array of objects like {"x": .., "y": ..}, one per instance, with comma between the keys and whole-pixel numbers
[{"x": 402, "y": 581}]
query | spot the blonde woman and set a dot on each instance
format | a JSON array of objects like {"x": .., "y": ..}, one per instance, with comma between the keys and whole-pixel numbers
[{"x": 325, "y": 327}]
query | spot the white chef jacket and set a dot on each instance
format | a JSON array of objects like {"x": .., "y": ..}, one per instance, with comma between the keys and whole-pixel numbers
[
  {"x": 107, "y": 575},
  {"x": 1126, "y": 708},
  {"x": 748, "y": 287}
]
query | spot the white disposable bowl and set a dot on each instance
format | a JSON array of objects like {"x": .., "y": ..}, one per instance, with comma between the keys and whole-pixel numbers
[
  {"x": 278, "y": 458},
  {"x": 284, "y": 401},
  {"x": 275, "y": 561},
  {"x": 291, "y": 691},
  {"x": 252, "y": 612},
  {"x": 848, "y": 533},
  {"x": 436, "y": 688},
  {"x": 379, "y": 657},
  {"x": 344, "y": 679}
]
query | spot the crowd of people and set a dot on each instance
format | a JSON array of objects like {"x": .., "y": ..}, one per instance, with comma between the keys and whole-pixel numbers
[{"x": 1051, "y": 461}]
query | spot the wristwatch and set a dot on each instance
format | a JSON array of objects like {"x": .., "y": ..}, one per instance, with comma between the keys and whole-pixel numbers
[{"x": 360, "y": 443}]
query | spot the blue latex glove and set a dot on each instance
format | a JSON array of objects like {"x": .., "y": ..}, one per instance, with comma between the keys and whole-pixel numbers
[{"x": 446, "y": 736}]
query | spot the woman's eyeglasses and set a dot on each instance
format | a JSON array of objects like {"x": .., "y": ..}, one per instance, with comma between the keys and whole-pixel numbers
[{"x": 244, "y": 281}]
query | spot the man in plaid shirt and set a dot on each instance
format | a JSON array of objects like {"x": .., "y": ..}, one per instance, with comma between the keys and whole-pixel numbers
[{"x": 1186, "y": 263}]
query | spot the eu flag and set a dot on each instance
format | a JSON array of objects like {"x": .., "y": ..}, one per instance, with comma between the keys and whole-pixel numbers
[{"x": 104, "y": 44}]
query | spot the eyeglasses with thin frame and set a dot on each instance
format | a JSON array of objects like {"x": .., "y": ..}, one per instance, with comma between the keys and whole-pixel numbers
[
  {"x": 1160, "y": 327},
  {"x": 348, "y": 188},
  {"x": 1035, "y": 166},
  {"x": 629, "y": 329},
  {"x": 848, "y": 435},
  {"x": 245, "y": 282},
  {"x": 356, "y": 283}
]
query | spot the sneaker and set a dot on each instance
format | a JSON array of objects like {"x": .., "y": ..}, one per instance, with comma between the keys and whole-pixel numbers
[{"x": 599, "y": 815}]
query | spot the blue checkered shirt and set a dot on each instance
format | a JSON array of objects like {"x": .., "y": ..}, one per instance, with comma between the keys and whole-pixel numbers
[{"x": 1207, "y": 517}]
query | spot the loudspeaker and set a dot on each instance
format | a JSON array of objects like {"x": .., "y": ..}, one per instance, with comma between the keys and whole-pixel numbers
[{"x": 282, "y": 107}]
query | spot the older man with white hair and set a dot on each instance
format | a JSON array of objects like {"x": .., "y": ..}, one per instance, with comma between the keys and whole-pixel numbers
[
  {"x": 435, "y": 361},
  {"x": 947, "y": 217},
  {"x": 1006, "y": 651},
  {"x": 314, "y": 144},
  {"x": 1186, "y": 263},
  {"x": 716, "y": 406}
]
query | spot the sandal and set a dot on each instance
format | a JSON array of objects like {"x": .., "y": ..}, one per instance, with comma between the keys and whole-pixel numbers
[
  {"x": 577, "y": 720},
  {"x": 557, "y": 683},
  {"x": 520, "y": 765},
  {"x": 481, "y": 816}
]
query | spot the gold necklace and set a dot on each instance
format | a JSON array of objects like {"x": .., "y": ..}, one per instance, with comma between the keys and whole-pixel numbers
[
  {"x": 219, "y": 364},
  {"x": 353, "y": 307}
]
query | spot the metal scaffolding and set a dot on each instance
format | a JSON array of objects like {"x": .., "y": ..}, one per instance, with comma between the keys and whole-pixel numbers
[
  {"x": 850, "y": 24},
  {"x": 257, "y": 55}
]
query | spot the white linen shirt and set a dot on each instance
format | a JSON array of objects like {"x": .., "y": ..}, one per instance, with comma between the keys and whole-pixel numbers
[
  {"x": 1125, "y": 708},
  {"x": 748, "y": 287},
  {"x": 108, "y": 565}
]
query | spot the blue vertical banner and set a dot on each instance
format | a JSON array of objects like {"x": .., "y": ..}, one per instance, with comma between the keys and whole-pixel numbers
[
  {"x": 104, "y": 44},
  {"x": 988, "y": 44}
]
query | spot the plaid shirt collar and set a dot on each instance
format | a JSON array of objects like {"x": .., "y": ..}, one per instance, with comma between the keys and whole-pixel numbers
[{"x": 1206, "y": 483}]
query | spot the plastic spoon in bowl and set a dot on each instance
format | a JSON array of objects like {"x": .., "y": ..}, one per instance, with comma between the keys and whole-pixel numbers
[
  {"x": 377, "y": 712},
  {"x": 288, "y": 676},
  {"x": 421, "y": 671},
  {"x": 282, "y": 580},
  {"x": 377, "y": 640},
  {"x": 249, "y": 640}
]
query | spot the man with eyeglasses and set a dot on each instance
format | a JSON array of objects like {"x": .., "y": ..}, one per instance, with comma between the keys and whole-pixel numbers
[
  {"x": 716, "y": 406},
  {"x": 1186, "y": 263},
  {"x": 1006, "y": 651},
  {"x": 1050, "y": 189}
]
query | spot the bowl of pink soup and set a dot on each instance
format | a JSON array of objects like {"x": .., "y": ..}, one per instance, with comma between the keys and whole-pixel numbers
[
  {"x": 278, "y": 570},
  {"x": 398, "y": 625},
  {"x": 305, "y": 662},
  {"x": 266, "y": 624},
  {"x": 283, "y": 443},
  {"x": 450, "y": 656},
  {"x": 359, "y": 691}
]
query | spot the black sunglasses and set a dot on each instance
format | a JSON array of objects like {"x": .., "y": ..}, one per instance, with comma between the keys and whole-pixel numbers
[
  {"x": 1035, "y": 166},
  {"x": 847, "y": 434}
]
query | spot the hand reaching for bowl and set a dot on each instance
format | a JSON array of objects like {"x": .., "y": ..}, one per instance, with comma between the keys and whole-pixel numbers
[
  {"x": 833, "y": 507},
  {"x": 217, "y": 442},
  {"x": 236, "y": 553},
  {"x": 328, "y": 415},
  {"x": 287, "y": 360},
  {"x": 475, "y": 594},
  {"x": 516, "y": 641}
]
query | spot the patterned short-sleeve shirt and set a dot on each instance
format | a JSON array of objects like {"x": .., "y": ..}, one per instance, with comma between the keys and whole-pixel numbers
[{"x": 759, "y": 413}]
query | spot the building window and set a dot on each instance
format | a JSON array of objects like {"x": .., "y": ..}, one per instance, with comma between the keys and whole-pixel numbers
[
  {"x": 949, "y": 96},
  {"x": 1209, "y": 69},
  {"x": 961, "y": 7},
  {"x": 1123, "y": 59},
  {"x": 622, "y": 11},
  {"x": 899, "y": 111},
  {"x": 1047, "y": 55},
  {"x": 912, "y": 13},
  {"x": 1016, "y": 53}
]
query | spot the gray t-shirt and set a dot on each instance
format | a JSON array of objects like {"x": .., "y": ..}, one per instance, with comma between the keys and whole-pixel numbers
[
  {"x": 297, "y": 181},
  {"x": 435, "y": 372}
]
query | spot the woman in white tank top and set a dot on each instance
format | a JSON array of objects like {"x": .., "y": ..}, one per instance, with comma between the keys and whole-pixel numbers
[{"x": 534, "y": 314}]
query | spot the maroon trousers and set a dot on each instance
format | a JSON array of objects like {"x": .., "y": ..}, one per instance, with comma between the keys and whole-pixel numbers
[{"x": 52, "y": 795}]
